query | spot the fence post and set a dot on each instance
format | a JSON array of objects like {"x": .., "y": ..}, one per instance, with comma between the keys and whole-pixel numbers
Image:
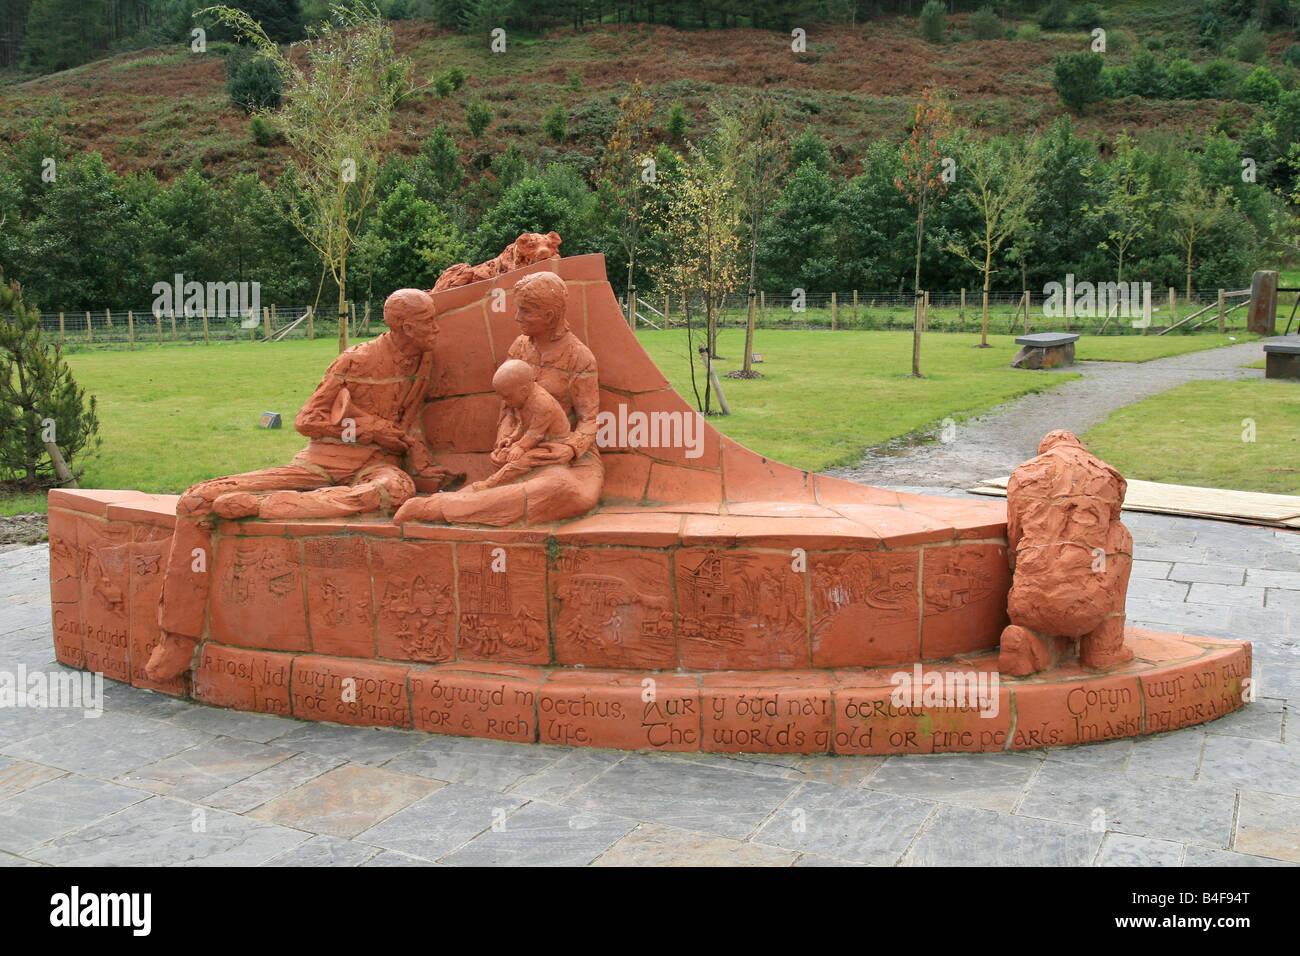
[
  {"x": 157, "y": 317},
  {"x": 1221, "y": 313},
  {"x": 311, "y": 324},
  {"x": 252, "y": 326},
  {"x": 266, "y": 320},
  {"x": 1172, "y": 317},
  {"x": 1027, "y": 306},
  {"x": 273, "y": 316},
  {"x": 130, "y": 329},
  {"x": 925, "y": 322},
  {"x": 108, "y": 318},
  {"x": 62, "y": 337},
  {"x": 835, "y": 310},
  {"x": 90, "y": 329},
  {"x": 631, "y": 307},
  {"x": 961, "y": 313},
  {"x": 667, "y": 310},
  {"x": 205, "y": 326},
  {"x": 173, "y": 317},
  {"x": 762, "y": 301},
  {"x": 855, "y": 308}
]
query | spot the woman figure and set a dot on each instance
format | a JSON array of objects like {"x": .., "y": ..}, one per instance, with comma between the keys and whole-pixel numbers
[{"x": 568, "y": 480}]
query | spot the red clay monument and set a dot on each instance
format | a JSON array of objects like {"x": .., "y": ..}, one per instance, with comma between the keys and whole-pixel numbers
[{"x": 449, "y": 555}]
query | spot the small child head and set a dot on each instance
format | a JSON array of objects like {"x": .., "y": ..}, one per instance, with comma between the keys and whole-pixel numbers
[{"x": 513, "y": 381}]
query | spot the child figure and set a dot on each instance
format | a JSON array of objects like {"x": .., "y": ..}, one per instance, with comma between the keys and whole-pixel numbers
[{"x": 537, "y": 418}]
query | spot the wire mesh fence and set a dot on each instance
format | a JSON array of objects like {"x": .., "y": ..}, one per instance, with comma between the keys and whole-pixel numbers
[{"x": 961, "y": 311}]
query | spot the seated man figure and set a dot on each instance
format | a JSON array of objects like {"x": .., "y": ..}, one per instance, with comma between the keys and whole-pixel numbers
[
  {"x": 538, "y": 420},
  {"x": 366, "y": 443}
]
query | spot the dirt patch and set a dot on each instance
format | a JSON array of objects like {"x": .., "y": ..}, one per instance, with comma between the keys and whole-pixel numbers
[{"x": 17, "y": 531}]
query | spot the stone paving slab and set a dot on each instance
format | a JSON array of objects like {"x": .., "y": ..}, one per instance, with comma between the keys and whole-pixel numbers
[{"x": 133, "y": 785}]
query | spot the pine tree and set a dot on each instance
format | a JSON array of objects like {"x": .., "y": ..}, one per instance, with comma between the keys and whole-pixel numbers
[{"x": 42, "y": 410}]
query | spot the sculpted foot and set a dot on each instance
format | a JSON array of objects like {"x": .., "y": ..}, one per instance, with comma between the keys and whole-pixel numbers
[
  {"x": 235, "y": 505},
  {"x": 420, "y": 509},
  {"x": 171, "y": 658}
]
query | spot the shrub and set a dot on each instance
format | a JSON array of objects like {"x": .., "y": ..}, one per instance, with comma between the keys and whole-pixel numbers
[
  {"x": 932, "y": 21},
  {"x": 555, "y": 123},
  {"x": 1291, "y": 56},
  {"x": 1029, "y": 31},
  {"x": 1261, "y": 86},
  {"x": 1087, "y": 17},
  {"x": 1055, "y": 15},
  {"x": 1220, "y": 79},
  {"x": 1251, "y": 43},
  {"x": 677, "y": 121},
  {"x": 984, "y": 24},
  {"x": 1077, "y": 79},
  {"x": 1185, "y": 81},
  {"x": 478, "y": 116},
  {"x": 252, "y": 82},
  {"x": 263, "y": 132}
]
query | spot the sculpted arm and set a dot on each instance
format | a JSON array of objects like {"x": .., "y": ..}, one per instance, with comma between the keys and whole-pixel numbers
[{"x": 586, "y": 406}]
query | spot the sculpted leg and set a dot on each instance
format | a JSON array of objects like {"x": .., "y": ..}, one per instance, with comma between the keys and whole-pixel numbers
[
  {"x": 381, "y": 489},
  {"x": 1104, "y": 647}
]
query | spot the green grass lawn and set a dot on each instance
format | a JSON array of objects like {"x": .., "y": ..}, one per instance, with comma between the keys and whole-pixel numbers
[
  {"x": 1194, "y": 435},
  {"x": 173, "y": 416}
]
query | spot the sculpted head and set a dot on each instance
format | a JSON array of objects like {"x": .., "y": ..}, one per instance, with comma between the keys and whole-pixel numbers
[
  {"x": 540, "y": 301},
  {"x": 513, "y": 381},
  {"x": 1058, "y": 437},
  {"x": 409, "y": 314}
]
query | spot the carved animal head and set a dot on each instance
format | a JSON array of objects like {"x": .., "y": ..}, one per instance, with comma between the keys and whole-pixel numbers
[{"x": 534, "y": 247}]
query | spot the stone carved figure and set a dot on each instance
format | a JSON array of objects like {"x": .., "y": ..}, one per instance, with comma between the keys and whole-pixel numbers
[
  {"x": 567, "y": 475},
  {"x": 529, "y": 248},
  {"x": 1072, "y": 557},
  {"x": 538, "y": 418},
  {"x": 366, "y": 442}
]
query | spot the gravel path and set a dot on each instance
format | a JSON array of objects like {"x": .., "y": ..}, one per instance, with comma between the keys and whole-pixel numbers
[{"x": 996, "y": 442}]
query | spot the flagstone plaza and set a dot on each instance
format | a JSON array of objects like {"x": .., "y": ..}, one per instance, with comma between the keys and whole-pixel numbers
[{"x": 156, "y": 780}]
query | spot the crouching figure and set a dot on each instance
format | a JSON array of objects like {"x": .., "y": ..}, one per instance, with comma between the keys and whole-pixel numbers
[{"x": 1072, "y": 557}]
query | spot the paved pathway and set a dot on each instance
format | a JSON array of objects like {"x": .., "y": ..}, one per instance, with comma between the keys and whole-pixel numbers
[
  {"x": 996, "y": 442},
  {"x": 159, "y": 781}
]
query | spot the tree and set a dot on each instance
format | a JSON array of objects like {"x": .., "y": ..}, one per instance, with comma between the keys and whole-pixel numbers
[
  {"x": 677, "y": 122},
  {"x": 1077, "y": 79},
  {"x": 624, "y": 178},
  {"x": 477, "y": 116},
  {"x": 998, "y": 177},
  {"x": 931, "y": 21},
  {"x": 703, "y": 227},
  {"x": 252, "y": 82},
  {"x": 752, "y": 142},
  {"x": 407, "y": 242},
  {"x": 337, "y": 111},
  {"x": 1196, "y": 211},
  {"x": 46, "y": 420},
  {"x": 556, "y": 123},
  {"x": 922, "y": 180},
  {"x": 1127, "y": 207}
]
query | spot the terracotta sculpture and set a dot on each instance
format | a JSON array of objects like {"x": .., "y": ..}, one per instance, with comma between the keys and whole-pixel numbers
[
  {"x": 567, "y": 474},
  {"x": 1072, "y": 558},
  {"x": 529, "y": 248},
  {"x": 539, "y": 419},
  {"x": 366, "y": 443}
]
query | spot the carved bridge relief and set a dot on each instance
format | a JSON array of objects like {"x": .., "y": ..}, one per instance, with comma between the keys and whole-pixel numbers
[
  {"x": 865, "y": 608},
  {"x": 501, "y": 591},
  {"x": 965, "y": 591},
  {"x": 741, "y": 609},
  {"x": 105, "y": 592},
  {"x": 258, "y": 594},
  {"x": 613, "y": 607}
]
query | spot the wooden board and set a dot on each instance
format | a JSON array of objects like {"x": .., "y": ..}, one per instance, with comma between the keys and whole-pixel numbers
[{"x": 1253, "y": 507}]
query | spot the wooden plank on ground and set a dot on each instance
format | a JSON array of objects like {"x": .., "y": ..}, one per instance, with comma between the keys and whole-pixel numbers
[{"x": 1253, "y": 507}]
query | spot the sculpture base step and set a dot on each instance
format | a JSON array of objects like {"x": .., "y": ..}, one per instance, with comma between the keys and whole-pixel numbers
[{"x": 963, "y": 705}]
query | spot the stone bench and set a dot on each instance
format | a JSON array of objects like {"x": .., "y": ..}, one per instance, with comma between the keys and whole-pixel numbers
[
  {"x": 1045, "y": 350},
  {"x": 1282, "y": 357}
]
